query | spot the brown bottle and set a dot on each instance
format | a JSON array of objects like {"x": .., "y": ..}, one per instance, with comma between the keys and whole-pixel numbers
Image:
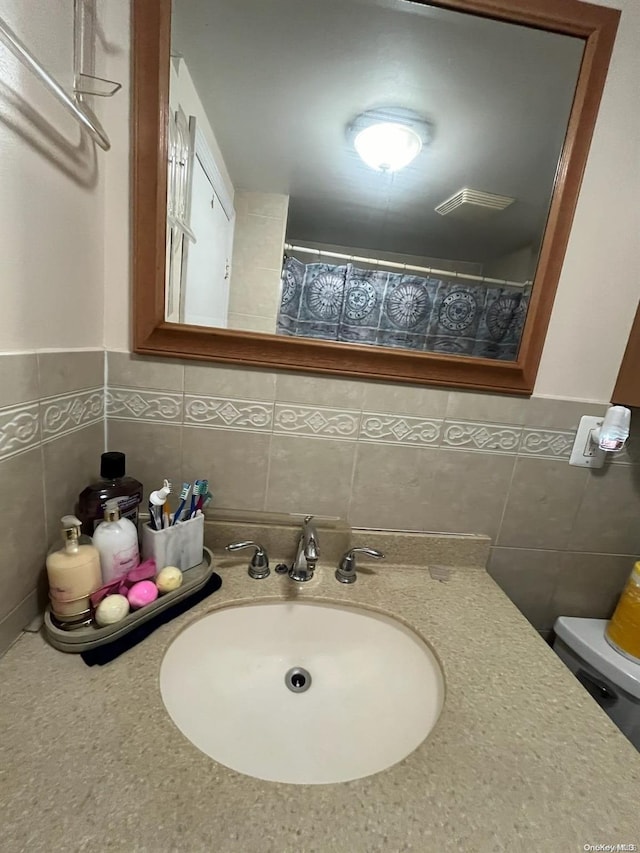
[{"x": 113, "y": 483}]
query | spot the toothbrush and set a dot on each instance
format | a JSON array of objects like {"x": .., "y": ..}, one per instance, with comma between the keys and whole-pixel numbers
[
  {"x": 203, "y": 492},
  {"x": 194, "y": 495},
  {"x": 166, "y": 512},
  {"x": 206, "y": 500},
  {"x": 152, "y": 517},
  {"x": 184, "y": 494}
]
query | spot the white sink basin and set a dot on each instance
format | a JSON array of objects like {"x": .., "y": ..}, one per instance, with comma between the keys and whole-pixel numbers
[{"x": 375, "y": 691}]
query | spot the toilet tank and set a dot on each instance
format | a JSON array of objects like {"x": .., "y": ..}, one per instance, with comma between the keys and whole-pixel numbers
[{"x": 612, "y": 679}]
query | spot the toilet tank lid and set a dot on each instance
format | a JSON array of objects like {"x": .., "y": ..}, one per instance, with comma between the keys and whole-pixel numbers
[{"x": 586, "y": 638}]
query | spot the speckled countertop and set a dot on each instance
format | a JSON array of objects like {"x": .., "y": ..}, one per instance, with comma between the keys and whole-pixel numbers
[{"x": 521, "y": 758}]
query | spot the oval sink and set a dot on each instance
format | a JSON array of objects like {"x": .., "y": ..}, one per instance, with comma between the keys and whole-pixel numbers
[{"x": 301, "y": 692}]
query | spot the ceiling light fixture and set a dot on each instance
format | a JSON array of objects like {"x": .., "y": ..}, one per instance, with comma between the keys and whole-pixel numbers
[
  {"x": 388, "y": 140},
  {"x": 387, "y": 147}
]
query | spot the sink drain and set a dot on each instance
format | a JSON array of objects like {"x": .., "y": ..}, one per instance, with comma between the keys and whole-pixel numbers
[{"x": 298, "y": 679}]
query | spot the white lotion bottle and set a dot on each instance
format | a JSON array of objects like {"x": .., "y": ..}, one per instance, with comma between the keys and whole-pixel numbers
[{"x": 116, "y": 539}]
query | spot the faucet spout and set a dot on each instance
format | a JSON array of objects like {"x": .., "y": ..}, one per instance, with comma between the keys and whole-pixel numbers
[
  {"x": 308, "y": 553},
  {"x": 311, "y": 551}
]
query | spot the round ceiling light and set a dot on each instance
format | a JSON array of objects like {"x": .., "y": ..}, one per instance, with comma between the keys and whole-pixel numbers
[{"x": 387, "y": 146}]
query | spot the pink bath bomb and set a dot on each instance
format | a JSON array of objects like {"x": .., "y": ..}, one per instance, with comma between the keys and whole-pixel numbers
[{"x": 141, "y": 594}]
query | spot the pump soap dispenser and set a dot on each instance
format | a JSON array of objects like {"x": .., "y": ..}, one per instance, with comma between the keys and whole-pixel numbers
[
  {"x": 74, "y": 573},
  {"x": 116, "y": 539}
]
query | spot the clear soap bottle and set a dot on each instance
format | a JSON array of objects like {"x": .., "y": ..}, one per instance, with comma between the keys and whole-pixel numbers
[{"x": 74, "y": 573}]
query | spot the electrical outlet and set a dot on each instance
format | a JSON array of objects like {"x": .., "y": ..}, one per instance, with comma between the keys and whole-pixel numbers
[{"x": 586, "y": 453}]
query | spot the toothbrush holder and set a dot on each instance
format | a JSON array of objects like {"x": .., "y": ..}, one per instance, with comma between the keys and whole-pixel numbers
[{"x": 179, "y": 545}]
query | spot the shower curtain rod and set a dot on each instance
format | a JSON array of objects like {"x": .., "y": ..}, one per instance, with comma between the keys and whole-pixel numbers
[{"x": 476, "y": 279}]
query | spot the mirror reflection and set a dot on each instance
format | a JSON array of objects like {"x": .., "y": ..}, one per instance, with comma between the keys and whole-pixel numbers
[{"x": 372, "y": 171}]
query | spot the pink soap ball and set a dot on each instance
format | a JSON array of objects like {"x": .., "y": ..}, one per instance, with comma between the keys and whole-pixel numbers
[{"x": 141, "y": 594}]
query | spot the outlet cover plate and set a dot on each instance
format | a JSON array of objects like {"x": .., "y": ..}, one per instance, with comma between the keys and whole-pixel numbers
[{"x": 586, "y": 453}]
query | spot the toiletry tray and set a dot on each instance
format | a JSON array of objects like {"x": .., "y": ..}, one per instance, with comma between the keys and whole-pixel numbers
[{"x": 90, "y": 637}]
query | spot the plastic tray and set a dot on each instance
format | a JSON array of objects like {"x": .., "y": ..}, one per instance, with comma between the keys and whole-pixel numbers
[{"x": 84, "y": 639}]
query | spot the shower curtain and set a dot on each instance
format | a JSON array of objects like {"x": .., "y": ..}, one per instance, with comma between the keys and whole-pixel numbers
[{"x": 344, "y": 303}]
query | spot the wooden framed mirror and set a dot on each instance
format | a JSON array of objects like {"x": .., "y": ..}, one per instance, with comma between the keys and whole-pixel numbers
[{"x": 592, "y": 27}]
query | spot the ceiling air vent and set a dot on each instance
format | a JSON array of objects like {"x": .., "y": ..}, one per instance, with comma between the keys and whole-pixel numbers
[{"x": 473, "y": 204}]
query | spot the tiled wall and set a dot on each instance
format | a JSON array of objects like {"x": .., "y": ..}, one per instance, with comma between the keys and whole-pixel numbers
[
  {"x": 51, "y": 437},
  {"x": 393, "y": 456},
  {"x": 379, "y": 455},
  {"x": 258, "y": 243}
]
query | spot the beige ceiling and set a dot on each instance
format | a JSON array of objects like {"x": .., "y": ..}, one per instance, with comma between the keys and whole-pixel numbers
[{"x": 282, "y": 80}]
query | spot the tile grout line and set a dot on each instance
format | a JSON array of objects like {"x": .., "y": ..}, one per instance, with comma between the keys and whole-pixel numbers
[
  {"x": 579, "y": 503},
  {"x": 265, "y": 500},
  {"x": 563, "y": 551},
  {"x": 506, "y": 500},
  {"x": 352, "y": 479},
  {"x": 195, "y": 425},
  {"x": 45, "y": 513},
  {"x": 181, "y": 455},
  {"x": 105, "y": 386}
]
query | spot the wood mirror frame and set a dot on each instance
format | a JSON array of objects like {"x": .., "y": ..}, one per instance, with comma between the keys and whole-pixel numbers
[{"x": 152, "y": 335}]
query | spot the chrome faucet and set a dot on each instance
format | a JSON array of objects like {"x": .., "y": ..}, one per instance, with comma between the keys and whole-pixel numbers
[{"x": 308, "y": 553}]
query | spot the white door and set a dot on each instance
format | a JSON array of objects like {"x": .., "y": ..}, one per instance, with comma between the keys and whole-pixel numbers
[{"x": 208, "y": 261}]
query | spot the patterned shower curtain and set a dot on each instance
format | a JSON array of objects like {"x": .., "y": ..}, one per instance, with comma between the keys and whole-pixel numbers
[{"x": 344, "y": 303}]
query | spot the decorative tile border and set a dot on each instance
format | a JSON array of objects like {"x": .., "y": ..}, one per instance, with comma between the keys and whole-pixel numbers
[
  {"x": 326, "y": 422},
  {"x": 315, "y": 421},
  {"x": 135, "y": 404},
  {"x": 28, "y": 425},
  {"x": 400, "y": 429},
  {"x": 547, "y": 443},
  {"x": 467, "y": 435},
  {"x": 219, "y": 413},
  {"x": 69, "y": 412},
  {"x": 19, "y": 429}
]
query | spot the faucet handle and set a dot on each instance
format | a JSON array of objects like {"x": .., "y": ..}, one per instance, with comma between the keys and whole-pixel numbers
[
  {"x": 259, "y": 563},
  {"x": 346, "y": 571}
]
